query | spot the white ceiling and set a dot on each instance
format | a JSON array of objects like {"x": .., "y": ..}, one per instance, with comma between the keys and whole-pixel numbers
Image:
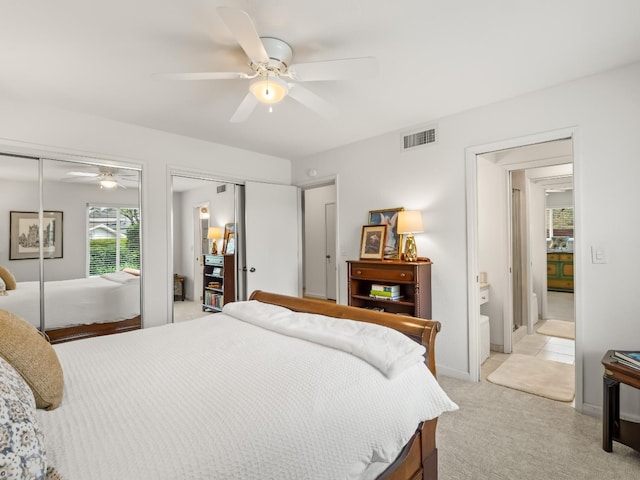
[{"x": 436, "y": 58}]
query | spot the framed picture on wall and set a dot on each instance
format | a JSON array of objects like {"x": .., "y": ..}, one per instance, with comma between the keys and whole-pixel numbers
[
  {"x": 24, "y": 236},
  {"x": 229, "y": 231},
  {"x": 393, "y": 240},
  {"x": 230, "y": 245},
  {"x": 372, "y": 242}
]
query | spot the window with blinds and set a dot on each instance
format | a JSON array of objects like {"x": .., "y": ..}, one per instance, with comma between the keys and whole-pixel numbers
[{"x": 114, "y": 239}]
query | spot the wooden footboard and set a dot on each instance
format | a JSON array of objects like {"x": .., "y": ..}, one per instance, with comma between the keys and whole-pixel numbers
[
  {"x": 419, "y": 458},
  {"x": 77, "y": 332}
]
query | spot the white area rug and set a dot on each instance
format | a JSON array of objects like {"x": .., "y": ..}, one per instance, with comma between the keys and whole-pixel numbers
[
  {"x": 558, "y": 328},
  {"x": 545, "y": 378}
]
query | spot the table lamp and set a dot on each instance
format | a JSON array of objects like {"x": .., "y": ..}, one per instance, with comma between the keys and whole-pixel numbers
[
  {"x": 410, "y": 222},
  {"x": 214, "y": 234}
]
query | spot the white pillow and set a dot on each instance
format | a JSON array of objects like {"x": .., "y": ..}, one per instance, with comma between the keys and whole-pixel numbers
[{"x": 121, "y": 277}]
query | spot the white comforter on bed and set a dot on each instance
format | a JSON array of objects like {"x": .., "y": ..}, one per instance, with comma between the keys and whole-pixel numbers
[
  {"x": 220, "y": 398},
  {"x": 76, "y": 301}
]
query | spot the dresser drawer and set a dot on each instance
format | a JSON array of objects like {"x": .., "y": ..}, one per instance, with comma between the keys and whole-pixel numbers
[
  {"x": 566, "y": 257},
  {"x": 553, "y": 257},
  {"x": 567, "y": 269},
  {"x": 384, "y": 274},
  {"x": 560, "y": 284}
]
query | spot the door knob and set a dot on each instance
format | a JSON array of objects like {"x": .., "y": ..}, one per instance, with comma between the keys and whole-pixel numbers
[{"x": 252, "y": 269}]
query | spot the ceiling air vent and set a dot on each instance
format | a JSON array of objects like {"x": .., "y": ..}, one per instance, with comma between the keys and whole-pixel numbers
[
  {"x": 221, "y": 188},
  {"x": 419, "y": 139}
]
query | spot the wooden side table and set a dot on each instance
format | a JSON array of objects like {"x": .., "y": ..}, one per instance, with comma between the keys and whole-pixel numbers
[
  {"x": 178, "y": 287},
  {"x": 613, "y": 428}
]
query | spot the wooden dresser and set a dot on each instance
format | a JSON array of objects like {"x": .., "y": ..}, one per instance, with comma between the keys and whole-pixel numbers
[
  {"x": 560, "y": 272},
  {"x": 412, "y": 278}
]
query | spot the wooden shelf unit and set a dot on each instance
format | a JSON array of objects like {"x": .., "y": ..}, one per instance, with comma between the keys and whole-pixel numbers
[
  {"x": 414, "y": 279},
  {"x": 218, "y": 282}
]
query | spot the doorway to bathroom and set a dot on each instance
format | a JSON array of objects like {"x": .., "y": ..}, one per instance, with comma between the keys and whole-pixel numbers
[{"x": 513, "y": 184}]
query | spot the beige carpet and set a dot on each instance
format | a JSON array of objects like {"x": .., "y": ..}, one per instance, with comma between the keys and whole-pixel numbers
[
  {"x": 505, "y": 434},
  {"x": 558, "y": 328},
  {"x": 545, "y": 378}
]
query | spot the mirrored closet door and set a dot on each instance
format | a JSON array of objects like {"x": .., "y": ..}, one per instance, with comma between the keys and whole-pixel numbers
[
  {"x": 205, "y": 246},
  {"x": 75, "y": 244}
]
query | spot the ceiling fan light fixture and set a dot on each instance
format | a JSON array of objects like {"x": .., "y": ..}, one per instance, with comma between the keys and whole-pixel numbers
[
  {"x": 269, "y": 90},
  {"x": 108, "y": 182}
]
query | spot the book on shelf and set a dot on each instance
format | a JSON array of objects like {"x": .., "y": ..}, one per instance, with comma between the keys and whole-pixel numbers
[
  {"x": 627, "y": 357},
  {"x": 382, "y": 293},
  {"x": 386, "y": 297},
  {"x": 386, "y": 288}
]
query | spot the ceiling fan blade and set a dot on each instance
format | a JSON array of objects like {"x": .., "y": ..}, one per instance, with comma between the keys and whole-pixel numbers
[
  {"x": 204, "y": 76},
  {"x": 79, "y": 179},
  {"x": 240, "y": 24},
  {"x": 81, "y": 174},
  {"x": 345, "y": 69},
  {"x": 245, "y": 109},
  {"x": 312, "y": 101}
]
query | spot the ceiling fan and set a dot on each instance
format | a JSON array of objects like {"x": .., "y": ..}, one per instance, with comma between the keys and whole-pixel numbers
[
  {"x": 106, "y": 177},
  {"x": 270, "y": 63}
]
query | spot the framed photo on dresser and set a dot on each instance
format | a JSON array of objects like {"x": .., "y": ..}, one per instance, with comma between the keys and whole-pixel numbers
[{"x": 372, "y": 242}]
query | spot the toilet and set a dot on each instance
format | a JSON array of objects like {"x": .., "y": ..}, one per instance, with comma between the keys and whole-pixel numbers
[
  {"x": 485, "y": 338},
  {"x": 533, "y": 312}
]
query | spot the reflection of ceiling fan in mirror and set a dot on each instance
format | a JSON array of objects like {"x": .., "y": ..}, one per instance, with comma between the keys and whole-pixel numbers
[
  {"x": 106, "y": 177},
  {"x": 270, "y": 63}
]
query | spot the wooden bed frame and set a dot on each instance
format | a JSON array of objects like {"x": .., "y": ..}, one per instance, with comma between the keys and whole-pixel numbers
[
  {"x": 77, "y": 332},
  {"x": 419, "y": 458}
]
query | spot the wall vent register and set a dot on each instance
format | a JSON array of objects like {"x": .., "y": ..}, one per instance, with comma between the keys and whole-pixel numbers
[{"x": 419, "y": 138}]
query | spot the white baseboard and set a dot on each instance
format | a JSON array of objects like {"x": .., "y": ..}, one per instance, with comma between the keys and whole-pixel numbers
[
  {"x": 313, "y": 295},
  {"x": 453, "y": 373},
  {"x": 596, "y": 411}
]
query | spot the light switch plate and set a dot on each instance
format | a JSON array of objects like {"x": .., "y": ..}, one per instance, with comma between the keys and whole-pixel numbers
[{"x": 598, "y": 254}]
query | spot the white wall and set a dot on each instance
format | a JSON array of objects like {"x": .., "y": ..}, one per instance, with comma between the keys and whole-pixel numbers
[
  {"x": 560, "y": 199},
  {"x": 25, "y": 127},
  {"x": 605, "y": 110},
  {"x": 315, "y": 261},
  {"x": 492, "y": 245},
  {"x": 538, "y": 245}
]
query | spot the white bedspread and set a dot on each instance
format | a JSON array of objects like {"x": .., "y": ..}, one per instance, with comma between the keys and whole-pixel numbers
[
  {"x": 219, "y": 398},
  {"x": 388, "y": 350},
  {"x": 75, "y": 301}
]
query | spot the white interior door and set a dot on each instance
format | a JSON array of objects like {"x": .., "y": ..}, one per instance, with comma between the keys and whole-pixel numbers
[
  {"x": 272, "y": 238},
  {"x": 330, "y": 242}
]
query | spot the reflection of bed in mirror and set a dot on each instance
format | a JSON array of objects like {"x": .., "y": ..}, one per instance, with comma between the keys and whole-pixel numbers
[{"x": 80, "y": 307}]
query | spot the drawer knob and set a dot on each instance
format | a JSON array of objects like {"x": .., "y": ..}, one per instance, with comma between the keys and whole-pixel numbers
[
  {"x": 403, "y": 275},
  {"x": 359, "y": 272}
]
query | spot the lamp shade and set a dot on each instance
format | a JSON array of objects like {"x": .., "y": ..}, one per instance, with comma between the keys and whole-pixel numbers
[
  {"x": 268, "y": 89},
  {"x": 214, "y": 233},
  {"x": 410, "y": 221}
]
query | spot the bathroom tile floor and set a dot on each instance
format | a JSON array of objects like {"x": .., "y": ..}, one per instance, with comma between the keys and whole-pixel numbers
[{"x": 559, "y": 306}]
